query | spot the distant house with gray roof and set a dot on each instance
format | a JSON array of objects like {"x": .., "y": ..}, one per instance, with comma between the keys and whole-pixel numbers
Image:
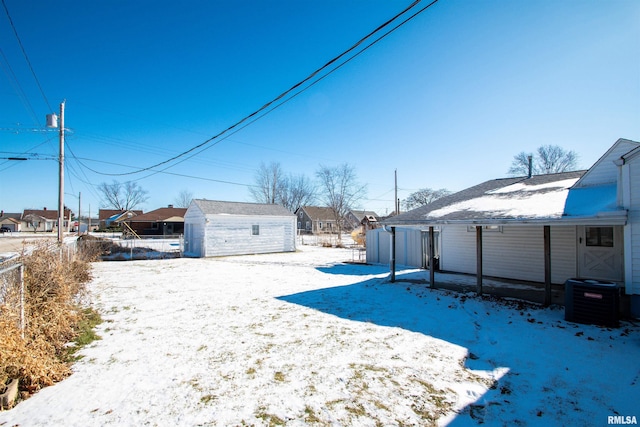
[
  {"x": 219, "y": 228},
  {"x": 316, "y": 220},
  {"x": 12, "y": 221},
  {"x": 357, "y": 218},
  {"x": 45, "y": 219}
]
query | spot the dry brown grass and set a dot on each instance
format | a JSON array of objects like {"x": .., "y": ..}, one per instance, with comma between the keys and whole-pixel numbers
[
  {"x": 54, "y": 287},
  {"x": 92, "y": 248}
]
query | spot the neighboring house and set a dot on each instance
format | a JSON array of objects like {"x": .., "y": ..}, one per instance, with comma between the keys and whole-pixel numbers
[
  {"x": 106, "y": 217},
  {"x": 44, "y": 219},
  {"x": 163, "y": 222},
  {"x": 546, "y": 228},
  {"x": 216, "y": 228},
  {"x": 368, "y": 220},
  {"x": 316, "y": 220},
  {"x": 12, "y": 221}
]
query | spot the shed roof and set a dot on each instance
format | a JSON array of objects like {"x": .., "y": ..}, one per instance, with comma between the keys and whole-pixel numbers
[{"x": 216, "y": 207}]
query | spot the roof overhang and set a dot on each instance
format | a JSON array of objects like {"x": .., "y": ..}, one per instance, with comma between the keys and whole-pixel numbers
[{"x": 607, "y": 218}]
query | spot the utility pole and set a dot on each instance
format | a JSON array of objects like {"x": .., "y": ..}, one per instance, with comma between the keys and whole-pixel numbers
[
  {"x": 79, "y": 206},
  {"x": 395, "y": 198},
  {"x": 61, "y": 178}
]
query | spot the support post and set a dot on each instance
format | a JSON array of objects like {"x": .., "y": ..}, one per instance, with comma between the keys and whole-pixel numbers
[
  {"x": 393, "y": 255},
  {"x": 23, "y": 323},
  {"x": 547, "y": 265},
  {"x": 479, "y": 259},
  {"x": 432, "y": 267}
]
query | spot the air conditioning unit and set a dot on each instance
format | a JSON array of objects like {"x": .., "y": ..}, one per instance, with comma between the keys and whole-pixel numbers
[{"x": 593, "y": 302}]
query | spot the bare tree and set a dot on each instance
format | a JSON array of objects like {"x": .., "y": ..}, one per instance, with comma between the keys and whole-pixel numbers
[
  {"x": 339, "y": 190},
  {"x": 183, "y": 200},
  {"x": 424, "y": 196},
  {"x": 269, "y": 181},
  {"x": 548, "y": 159},
  {"x": 297, "y": 191},
  {"x": 554, "y": 159},
  {"x": 122, "y": 196}
]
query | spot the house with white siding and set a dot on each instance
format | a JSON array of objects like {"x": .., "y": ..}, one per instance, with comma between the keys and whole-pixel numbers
[
  {"x": 544, "y": 228},
  {"x": 218, "y": 228}
]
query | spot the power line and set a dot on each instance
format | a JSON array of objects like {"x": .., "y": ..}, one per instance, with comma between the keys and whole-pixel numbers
[
  {"x": 24, "y": 52},
  {"x": 17, "y": 88},
  {"x": 268, "y": 107},
  {"x": 162, "y": 171}
]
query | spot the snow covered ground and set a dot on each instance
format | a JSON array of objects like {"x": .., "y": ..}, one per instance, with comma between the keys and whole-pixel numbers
[{"x": 304, "y": 339}]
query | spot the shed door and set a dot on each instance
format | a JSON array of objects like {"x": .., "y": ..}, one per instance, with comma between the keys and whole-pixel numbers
[
  {"x": 188, "y": 235},
  {"x": 600, "y": 253}
]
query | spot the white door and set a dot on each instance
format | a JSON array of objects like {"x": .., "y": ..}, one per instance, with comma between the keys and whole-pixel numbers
[
  {"x": 188, "y": 235},
  {"x": 600, "y": 253}
]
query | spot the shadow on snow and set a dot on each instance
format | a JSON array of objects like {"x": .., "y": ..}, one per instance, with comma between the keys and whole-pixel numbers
[{"x": 541, "y": 353}]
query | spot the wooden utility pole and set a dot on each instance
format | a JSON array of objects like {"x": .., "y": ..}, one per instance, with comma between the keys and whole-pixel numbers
[
  {"x": 61, "y": 178},
  {"x": 396, "y": 201},
  {"x": 79, "y": 207}
]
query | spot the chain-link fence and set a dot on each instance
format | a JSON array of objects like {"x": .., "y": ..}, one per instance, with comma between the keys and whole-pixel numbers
[
  {"x": 12, "y": 285},
  {"x": 12, "y": 291}
]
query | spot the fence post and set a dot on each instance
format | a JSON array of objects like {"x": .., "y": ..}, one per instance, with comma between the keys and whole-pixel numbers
[{"x": 22, "y": 321}]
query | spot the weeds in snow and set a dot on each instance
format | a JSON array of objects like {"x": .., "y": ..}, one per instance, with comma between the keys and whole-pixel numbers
[{"x": 53, "y": 318}]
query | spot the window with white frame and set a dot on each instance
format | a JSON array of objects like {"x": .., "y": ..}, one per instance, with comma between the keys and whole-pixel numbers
[{"x": 599, "y": 236}]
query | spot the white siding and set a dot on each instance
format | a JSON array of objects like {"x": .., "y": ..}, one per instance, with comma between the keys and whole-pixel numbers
[
  {"x": 515, "y": 253},
  {"x": 604, "y": 171},
  {"x": 634, "y": 226},
  {"x": 194, "y": 231},
  {"x": 564, "y": 256},
  {"x": 378, "y": 246},
  {"x": 458, "y": 249},
  {"x": 408, "y": 247},
  {"x": 232, "y": 235}
]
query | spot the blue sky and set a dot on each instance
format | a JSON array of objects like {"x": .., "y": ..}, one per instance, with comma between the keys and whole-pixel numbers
[{"x": 447, "y": 99}]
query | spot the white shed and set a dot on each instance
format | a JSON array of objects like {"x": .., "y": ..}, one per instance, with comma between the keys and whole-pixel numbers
[{"x": 216, "y": 228}]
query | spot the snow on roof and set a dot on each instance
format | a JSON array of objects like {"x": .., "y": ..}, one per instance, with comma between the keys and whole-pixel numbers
[
  {"x": 522, "y": 186},
  {"x": 518, "y": 200}
]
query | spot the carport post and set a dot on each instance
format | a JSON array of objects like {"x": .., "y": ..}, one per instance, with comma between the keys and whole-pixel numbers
[
  {"x": 432, "y": 274},
  {"x": 479, "y": 259},
  {"x": 547, "y": 265},
  {"x": 392, "y": 262}
]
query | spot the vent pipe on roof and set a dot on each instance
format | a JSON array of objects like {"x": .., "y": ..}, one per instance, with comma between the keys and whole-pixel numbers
[{"x": 530, "y": 158}]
